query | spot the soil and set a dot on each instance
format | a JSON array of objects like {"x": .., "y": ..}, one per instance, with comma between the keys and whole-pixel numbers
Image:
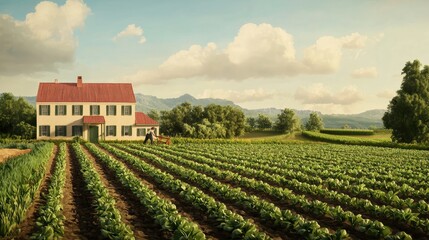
[
  {"x": 80, "y": 222},
  {"x": 6, "y": 153}
]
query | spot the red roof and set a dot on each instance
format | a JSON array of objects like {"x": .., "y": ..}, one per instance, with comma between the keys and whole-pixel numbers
[
  {"x": 143, "y": 119},
  {"x": 88, "y": 92},
  {"x": 93, "y": 119}
]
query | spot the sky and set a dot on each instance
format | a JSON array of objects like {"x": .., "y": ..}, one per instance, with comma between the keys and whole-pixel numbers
[{"x": 339, "y": 56}]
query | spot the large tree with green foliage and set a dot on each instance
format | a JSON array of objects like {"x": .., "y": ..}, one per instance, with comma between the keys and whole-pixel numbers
[
  {"x": 263, "y": 122},
  {"x": 408, "y": 112},
  {"x": 212, "y": 121},
  {"x": 287, "y": 121},
  {"x": 17, "y": 117},
  {"x": 314, "y": 123}
]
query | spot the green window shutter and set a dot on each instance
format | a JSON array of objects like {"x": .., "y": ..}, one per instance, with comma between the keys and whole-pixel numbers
[
  {"x": 56, "y": 131},
  {"x": 114, "y": 110},
  {"x": 65, "y": 109},
  {"x": 49, "y": 110},
  {"x": 122, "y": 131},
  {"x": 107, "y": 110},
  {"x": 114, "y": 131},
  {"x": 122, "y": 110},
  {"x": 56, "y": 110},
  {"x": 131, "y": 130},
  {"x": 81, "y": 110},
  {"x": 65, "y": 130}
]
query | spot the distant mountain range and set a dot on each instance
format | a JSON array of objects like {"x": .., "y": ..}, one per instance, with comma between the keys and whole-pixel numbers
[{"x": 145, "y": 103}]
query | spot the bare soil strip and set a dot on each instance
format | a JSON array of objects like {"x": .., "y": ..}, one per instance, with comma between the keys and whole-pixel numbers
[
  {"x": 6, "y": 153},
  {"x": 27, "y": 227},
  {"x": 132, "y": 212},
  {"x": 208, "y": 226},
  {"x": 81, "y": 222}
]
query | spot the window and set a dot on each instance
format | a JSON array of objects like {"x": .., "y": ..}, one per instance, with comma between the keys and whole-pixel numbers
[
  {"x": 60, "y": 131},
  {"x": 110, "y": 130},
  {"x": 126, "y": 130},
  {"x": 45, "y": 110},
  {"x": 95, "y": 109},
  {"x": 77, "y": 110},
  {"x": 110, "y": 110},
  {"x": 126, "y": 110},
  {"x": 44, "y": 131},
  {"x": 141, "y": 131},
  {"x": 60, "y": 110},
  {"x": 77, "y": 130}
]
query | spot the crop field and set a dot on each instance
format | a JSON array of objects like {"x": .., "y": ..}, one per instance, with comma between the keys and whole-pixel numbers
[{"x": 214, "y": 191}]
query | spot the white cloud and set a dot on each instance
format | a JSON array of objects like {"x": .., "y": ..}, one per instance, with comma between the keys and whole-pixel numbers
[
  {"x": 43, "y": 40},
  {"x": 130, "y": 31},
  {"x": 319, "y": 94},
  {"x": 258, "y": 51},
  {"x": 246, "y": 95},
  {"x": 369, "y": 72},
  {"x": 325, "y": 55},
  {"x": 387, "y": 94}
]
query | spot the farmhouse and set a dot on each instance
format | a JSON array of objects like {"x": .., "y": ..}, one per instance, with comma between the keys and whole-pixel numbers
[{"x": 94, "y": 111}]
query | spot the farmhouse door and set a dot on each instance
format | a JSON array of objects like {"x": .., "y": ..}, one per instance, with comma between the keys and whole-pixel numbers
[{"x": 93, "y": 134}]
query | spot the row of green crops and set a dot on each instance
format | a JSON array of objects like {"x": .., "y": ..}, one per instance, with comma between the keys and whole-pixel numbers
[
  {"x": 372, "y": 228},
  {"x": 162, "y": 211},
  {"x": 358, "y": 132},
  {"x": 109, "y": 217},
  {"x": 284, "y": 220},
  {"x": 20, "y": 178},
  {"x": 320, "y": 169},
  {"x": 235, "y": 224},
  {"x": 311, "y": 184},
  {"x": 50, "y": 221}
]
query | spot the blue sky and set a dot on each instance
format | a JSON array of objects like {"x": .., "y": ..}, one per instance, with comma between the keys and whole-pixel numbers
[{"x": 329, "y": 56}]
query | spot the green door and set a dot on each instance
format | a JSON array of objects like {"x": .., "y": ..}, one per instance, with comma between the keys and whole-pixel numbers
[{"x": 93, "y": 134}]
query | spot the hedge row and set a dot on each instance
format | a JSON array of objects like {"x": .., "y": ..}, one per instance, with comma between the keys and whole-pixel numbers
[
  {"x": 355, "y": 132},
  {"x": 356, "y": 141}
]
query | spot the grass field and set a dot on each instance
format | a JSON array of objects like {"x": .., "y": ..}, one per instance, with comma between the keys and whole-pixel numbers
[{"x": 289, "y": 189}]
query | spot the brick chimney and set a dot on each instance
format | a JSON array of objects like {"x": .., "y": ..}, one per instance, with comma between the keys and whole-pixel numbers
[{"x": 79, "y": 81}]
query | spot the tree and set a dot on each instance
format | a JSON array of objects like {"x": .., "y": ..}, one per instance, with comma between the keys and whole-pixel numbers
[
  {"x": 287, "y": 121},
  {"x": 408, "y": 112},
  {"x": 212, "y": 121},
  {"x": 314, "y": 123},
  {"x": 251, "y": 124},
  {"x": 263, "y": 122},
  {"x": 15, "y": 114},
  {"x": 154, "y": 114}
]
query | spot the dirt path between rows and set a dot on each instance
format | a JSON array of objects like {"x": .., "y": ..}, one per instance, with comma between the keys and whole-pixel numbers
[{"x": 80, "y": 222}]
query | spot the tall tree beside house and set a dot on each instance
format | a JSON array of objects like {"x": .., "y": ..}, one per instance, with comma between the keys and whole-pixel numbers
[
  {"x": 314, "y": 123},
  {"x": 287, "y": 121},
  {"x": 212, "y": 121},
  {"x": 408, "y": 112},
  {"x": 17, "y": 117}
]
